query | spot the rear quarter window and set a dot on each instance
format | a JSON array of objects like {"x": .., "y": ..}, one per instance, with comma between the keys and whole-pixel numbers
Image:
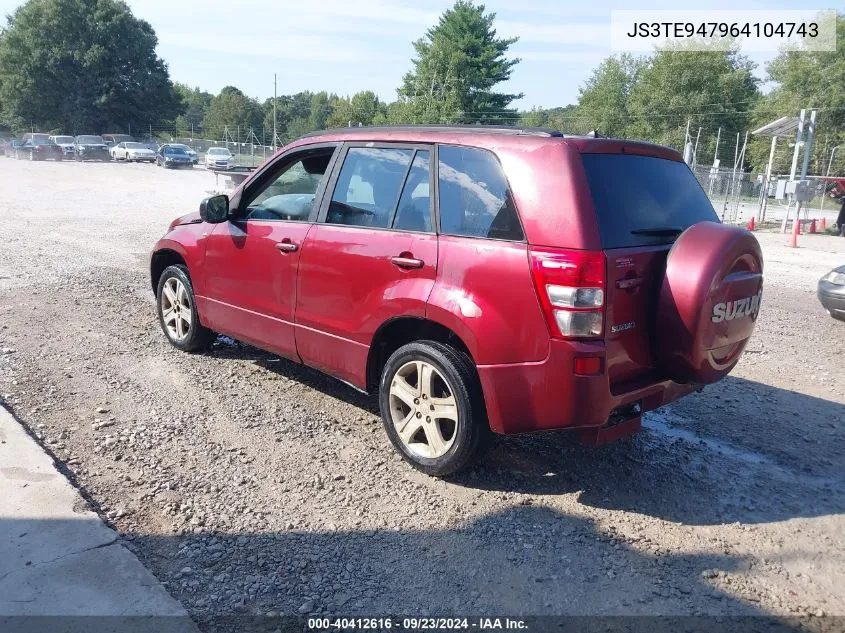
[
  {"x": 635, "y": 193},
  {"x": 475, "y": 200}
]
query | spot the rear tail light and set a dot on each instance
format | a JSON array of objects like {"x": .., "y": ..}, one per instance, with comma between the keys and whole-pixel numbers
[{"x": 570, "y": 286}]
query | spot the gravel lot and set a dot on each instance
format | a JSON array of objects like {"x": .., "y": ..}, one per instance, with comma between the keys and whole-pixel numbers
[{"x": 251, "y": 485}]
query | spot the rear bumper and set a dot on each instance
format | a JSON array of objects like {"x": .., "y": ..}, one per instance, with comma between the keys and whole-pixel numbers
[{"x": 547, "y": 395}]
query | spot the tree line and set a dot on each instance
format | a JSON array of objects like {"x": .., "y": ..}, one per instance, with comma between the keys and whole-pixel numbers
[{"x": 80, "y": 66}]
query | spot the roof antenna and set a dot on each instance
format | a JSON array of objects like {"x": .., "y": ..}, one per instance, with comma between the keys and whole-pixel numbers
[{"x": 594, "y": 134}]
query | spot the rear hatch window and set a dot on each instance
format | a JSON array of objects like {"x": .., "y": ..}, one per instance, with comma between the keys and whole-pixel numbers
[{"x": 644, "y": 200}]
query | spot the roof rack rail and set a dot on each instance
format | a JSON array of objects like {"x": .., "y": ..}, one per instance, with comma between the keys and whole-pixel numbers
[{"x": 487, "y": 129}]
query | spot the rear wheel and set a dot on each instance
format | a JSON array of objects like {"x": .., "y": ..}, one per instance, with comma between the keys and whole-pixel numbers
[
  {"x": 177, "y": 311},
  {"x": 432, "y": 409}
]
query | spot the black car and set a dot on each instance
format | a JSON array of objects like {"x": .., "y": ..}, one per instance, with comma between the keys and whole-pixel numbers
[
  {"x": 831, "y": 293},
  {"x": 37, "y": 149},
  {"x": 90, "y": 147},
  {"x": 174, "y": 157}
]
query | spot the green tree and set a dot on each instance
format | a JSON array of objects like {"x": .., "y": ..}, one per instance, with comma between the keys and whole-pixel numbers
[
  {"x": 82, "y": 66},
  {"x": 711, "y": 89},
  {"x": 603, "y": 100},
  {"x": 232, "y": 109},
  {"x": 194, "y": 104},
  {"x": 459, "y": 62},
  {"x": 362, "y": 108},
  {"x": 806, "y": 80},
  {"x": 563, "y": 118}
]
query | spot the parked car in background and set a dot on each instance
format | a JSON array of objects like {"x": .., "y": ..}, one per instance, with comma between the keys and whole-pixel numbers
[
  {"x": 476, "y": 279},
  {"x": 831, "y": 293},
  {"x": 4, "y": 140},
  {"x": 190, "y": 152},
  {"x": 39, "y": 136},
  {"x": 219, "y": 158},
  {"x": 66, "y": 143},
  {"x": 91, "y": 147},
  {"x": 132, "y": 152},
  {"x": 113, "y": 139},
  {"x": 11, "y": 146},
  {"x": 173, "y": 157},
  {"x": 38, "y": 149}
]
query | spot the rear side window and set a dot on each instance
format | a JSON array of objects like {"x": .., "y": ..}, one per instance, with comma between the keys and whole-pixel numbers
[
  {"x": 413, "y": 213},
  {"x": 640, "y": 200},
  {"x": 368, "y": 186},
  {"x": 475, "y": 200}
]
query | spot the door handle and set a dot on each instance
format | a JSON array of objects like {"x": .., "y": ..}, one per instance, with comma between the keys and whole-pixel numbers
[
  {"x": 631, "y": 282},
  {"x": 407, "y": 262},
  {"x": 286, "y": 246}
]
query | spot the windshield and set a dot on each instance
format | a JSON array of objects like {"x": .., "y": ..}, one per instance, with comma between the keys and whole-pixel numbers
[
  {"x": 90, "y": 140},
  {"x": 642, "y": 200},
  {"x": 41, "y": 141},
  {"x": 63, "y": 139},
  {"x": 174, "y": 150},
  {"x": 183, "y": 147},
  {"x": 135, "y": 146},
  {"x": 219, "y": 151}
]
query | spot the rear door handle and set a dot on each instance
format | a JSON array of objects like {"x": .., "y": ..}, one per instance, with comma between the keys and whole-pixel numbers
[
  {"x": 633, "y": 282},
  {"x": 407, "y": 262},
  {"x": 286, "y": 246}
]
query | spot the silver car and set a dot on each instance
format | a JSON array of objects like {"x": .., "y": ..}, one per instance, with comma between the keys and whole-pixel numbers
[{"x": 133, "y": 152}]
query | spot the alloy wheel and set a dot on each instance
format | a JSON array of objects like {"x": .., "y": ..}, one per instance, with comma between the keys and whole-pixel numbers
[
  {"x": 176, "y": 309},
  {"x": 423, "y": 409}
]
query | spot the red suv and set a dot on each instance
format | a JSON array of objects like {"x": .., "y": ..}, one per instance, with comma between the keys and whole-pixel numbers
[{"x": 476, "y": 278}]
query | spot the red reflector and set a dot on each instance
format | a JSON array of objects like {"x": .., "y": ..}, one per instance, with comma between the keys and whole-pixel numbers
[{"x": 588, "y": 366}]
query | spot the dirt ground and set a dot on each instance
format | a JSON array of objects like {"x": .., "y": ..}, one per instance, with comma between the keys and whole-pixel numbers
[{"x": 251, "y": 485}]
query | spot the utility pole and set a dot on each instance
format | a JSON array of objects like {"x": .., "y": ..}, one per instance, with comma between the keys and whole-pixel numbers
[
  {"x": 733, "y": 178},
  {"x": 761, "y": 215},
  {"x": 695, "y": 150},
  {"x": 714, "y": 170},
  {"x": 687, "y": 146},
  {"x": 808, "y": 149},
  {"x": 716, "y": 152},
  {"x": 275, "y": 97},
  {"x": 798, "y": 139}
]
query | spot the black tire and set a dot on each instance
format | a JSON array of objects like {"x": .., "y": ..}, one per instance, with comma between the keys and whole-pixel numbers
[
  {"x": 198, "y": 336},
  {"x": 472, "y": 432}
]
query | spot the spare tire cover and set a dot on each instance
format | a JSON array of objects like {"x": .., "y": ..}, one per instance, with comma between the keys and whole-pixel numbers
[{"x": 708, "y": 303}]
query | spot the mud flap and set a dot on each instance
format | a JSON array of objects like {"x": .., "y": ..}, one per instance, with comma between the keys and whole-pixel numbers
[{"x": 601, "y": 435}]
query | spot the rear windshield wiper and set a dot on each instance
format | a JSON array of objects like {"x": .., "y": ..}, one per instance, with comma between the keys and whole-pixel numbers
[{"x": 659, "y": 231}]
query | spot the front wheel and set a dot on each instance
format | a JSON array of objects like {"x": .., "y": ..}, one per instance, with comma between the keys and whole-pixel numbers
[
  {"x": 177, "y": 311},
  {"x": 432, "y": 408}
]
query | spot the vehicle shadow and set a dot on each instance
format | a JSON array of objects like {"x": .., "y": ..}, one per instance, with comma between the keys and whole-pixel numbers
[
  {"x": 724, "y": 455},
  {"x": 525, "y": 561}
]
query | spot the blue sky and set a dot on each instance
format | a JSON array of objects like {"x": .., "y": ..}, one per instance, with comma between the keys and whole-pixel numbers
[{"x": 343, "y": 46}]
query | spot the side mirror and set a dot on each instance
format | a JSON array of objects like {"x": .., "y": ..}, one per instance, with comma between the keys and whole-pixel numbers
[{"x": 215, "y": 209}]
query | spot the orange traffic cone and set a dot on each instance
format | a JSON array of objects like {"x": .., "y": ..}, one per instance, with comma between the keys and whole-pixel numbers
[
  {"x": 796, "y": 229},
  {"x": 751, "y": 224},
  {"x": 824, "y": 224},
  {"x": 813, "y": 225}
]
